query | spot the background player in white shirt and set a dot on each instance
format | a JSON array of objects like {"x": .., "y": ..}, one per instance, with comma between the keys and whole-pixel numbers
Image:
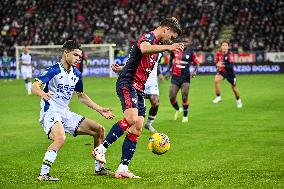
[
  {"x": 26, "y": 68},
  {"x": 61, "y": 80},
  {"x": 152, "y": 93}
]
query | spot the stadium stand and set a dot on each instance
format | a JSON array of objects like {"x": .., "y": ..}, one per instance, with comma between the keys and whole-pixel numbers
[{"x": 250, "y": 25}]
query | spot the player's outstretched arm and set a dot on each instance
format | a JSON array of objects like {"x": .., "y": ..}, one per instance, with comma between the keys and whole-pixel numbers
[
  {"x": 105, "y": 112},
  {"x": 37, "y": 91},
  {"x": 147, "y": 48}
]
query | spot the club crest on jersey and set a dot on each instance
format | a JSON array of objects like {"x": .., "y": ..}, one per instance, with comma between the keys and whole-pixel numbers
[
  {"x": 187, "y": 56},
  {"x": 148, "y": 35}
]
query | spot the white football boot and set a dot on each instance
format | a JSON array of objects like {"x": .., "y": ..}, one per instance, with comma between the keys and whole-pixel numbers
[
  {"x": 123, "y": 172},
  {"x": 239, "y": 103},
  {"x": 217, "y": 99}
]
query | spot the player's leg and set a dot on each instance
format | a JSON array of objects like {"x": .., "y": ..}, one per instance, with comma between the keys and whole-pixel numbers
[
  {"x": 129, "y": 103},
  {"x": 174, "y": 88},
  {"x": 57, "y": 135},
  {"x": 128, "y": 149},
  {"x": 29, "y": 79},
  {"x": 26, "y": 74},
  {"x": 130, "y": 141},
  {"x": 185, "y": 101},
  {"x": 233, "y": 80},
  {"x": 218, "y": 79},
  {"x": 94, "y": 129},
  {"x": 5, "y": 74},
  {"x": 154, "y": 100}
]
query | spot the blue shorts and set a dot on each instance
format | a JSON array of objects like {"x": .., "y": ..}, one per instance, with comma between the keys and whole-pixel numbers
[
  {"x": 179, "y": 80},
  {"x": 131, "y": 98}
]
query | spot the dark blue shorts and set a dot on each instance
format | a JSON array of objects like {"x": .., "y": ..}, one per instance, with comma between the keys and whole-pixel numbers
[
  {"x": 179, "y": 80},
  {"x": 131, "y": 98},
  {"x": 231, "y": 77}
]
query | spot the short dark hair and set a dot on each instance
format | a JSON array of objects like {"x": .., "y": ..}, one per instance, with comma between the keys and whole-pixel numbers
[
  {"x": 71, "y": 45},
  {"x": 173, "y": 23}
]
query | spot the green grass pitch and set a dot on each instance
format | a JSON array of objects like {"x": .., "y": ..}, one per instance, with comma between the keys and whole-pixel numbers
[{"x": 220, "y": 147}]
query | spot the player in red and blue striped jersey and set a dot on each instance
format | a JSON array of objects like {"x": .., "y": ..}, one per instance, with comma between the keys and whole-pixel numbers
[
  {"x": 224, "y": 60},
  {"x": 130, "y": 90},
  {"x": 180, "y": 64}
]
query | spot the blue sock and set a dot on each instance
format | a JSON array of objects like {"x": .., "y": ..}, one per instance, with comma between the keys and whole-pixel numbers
[
  {"x": 128, "y": 148},
  {"x": 115, "y": 132},
  {"x": 185, "y": 108}
]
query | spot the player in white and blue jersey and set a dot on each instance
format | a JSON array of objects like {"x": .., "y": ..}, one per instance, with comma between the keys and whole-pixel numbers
[
  {"x": 60, "y": 82},
  {"x": 152, "y": 93},
  {"x": 26, "y": 68}
]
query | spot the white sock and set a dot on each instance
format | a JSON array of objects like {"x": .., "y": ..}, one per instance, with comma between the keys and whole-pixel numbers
[
  {"x": 102, "y": 148},
  {"x": 29, "y": 88},
  {"x": 150, "y": 120},
  {"x": 122, "y": 168},
  {"x": 48, "y": 160},
  {"x": 98, "y": 165}
]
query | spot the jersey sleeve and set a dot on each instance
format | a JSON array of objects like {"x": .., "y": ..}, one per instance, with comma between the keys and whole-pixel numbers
[
  {"x": 231, "y": 57},
  {"x": 216, "y": 58},
  {"x": 149, "y": 37},
  {"x": 47, "y": 75},
  {"x": 195, "y": 59},
  {"x": 79, "y": 85}
]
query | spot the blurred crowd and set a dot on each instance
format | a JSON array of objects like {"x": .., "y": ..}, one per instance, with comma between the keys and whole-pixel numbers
[{"x": 257, "y": 24}]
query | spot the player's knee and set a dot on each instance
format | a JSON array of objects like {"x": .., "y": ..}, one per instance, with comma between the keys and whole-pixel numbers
[
  {"x": 132, "y": 120},
  {"x": 156, "y": 104},
  {"x": 184, "y": 99},
  {"x": 27, "y": 80},
  {"x": 101, "y": 131},
  {"x": 173, "y": 100},
  {"x": 137, "y": 130}
]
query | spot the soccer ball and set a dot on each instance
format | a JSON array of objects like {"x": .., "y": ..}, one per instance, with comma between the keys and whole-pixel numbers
[{"x": 159, "y": 143}]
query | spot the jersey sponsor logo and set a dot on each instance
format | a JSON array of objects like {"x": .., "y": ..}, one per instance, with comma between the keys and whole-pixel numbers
[
  {"x": 65, "y": 89},
  {"x": 148, "y": 70},
  {"x": 180, "y": 66},
  {"x": 152, "y": 59}
]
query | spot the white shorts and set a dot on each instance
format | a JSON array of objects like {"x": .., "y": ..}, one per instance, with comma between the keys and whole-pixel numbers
[
  {"x": 151, "y": 87},
  {"x": 71, "y": 121},
  {"x": 26, "y": 71}
]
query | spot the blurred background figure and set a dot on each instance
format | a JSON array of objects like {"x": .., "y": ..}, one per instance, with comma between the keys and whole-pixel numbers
[
  {"x": 6, "y": 60},
  {"x": 27, "y": 69}
]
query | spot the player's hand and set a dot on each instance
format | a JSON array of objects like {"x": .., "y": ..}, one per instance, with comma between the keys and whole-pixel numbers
[
  {"x": 161, "y": 78},
  {"x": 116, "y": 68},
  {"x": 193, "y": 75},
  {"x": 168, "y": 75},
  {"x": 106, "y": 112},
  {"x": 46, "y": 96},
  {"x": 220, "y": 64},
  {"x": 176, "y": 47}
]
